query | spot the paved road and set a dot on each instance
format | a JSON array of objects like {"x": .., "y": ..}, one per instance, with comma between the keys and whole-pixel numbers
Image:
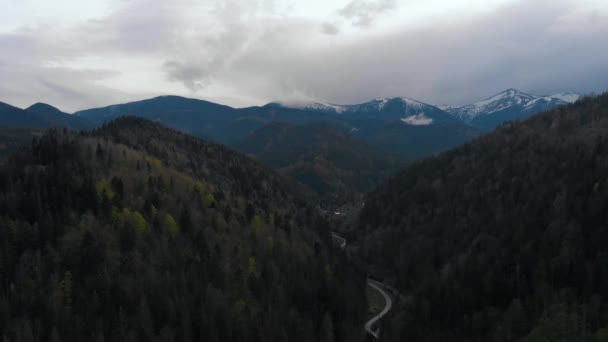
[
  {"x": 341, "y": 240},
  {"x": 376, "y": 285},
  {"x": 369, "y": 326}
]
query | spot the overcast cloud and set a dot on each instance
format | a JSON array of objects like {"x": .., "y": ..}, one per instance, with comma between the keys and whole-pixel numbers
[{"x": 251, "y": 52}]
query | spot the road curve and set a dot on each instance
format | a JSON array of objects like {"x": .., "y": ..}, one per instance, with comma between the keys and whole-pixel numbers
[
  {"x": 369, "y": 326},
  {"x": 341, "y": 240},
  {"x": 376, "y": 285}
]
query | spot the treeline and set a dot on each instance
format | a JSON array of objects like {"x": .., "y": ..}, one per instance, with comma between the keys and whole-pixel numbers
[
  {"x": 136, "y": 232},
  {"x": 503, "y": 239}
]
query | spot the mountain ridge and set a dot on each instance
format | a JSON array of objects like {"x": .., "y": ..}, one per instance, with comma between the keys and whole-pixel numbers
[
  {"x": 40, "y": 115},
  {"x": 508, "y": 105}
]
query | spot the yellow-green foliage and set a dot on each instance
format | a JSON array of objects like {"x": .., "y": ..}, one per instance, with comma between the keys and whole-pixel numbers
[
  {"x": 171, "y": 226},
  {"x": 209, "y": 200},
  {"x": 155, "y": 163},
  {"x": 238, "y": 308},
  {"x": 66, "y": 289},
  {"x": 256, "y": 222},
  {"x": 251, "y": 269},
  {"x": 200, "y": 187},
  {"x": 138, "y": 222},
  {"x": 132, "y": 218},
  {"x": 102, "y": 186}
]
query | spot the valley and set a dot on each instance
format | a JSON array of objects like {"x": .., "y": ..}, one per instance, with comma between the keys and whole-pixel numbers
[
  {"x": 304, "y": 171},
  {"x": 138, "y": 189},
  {"x": 369, "y": 141}
]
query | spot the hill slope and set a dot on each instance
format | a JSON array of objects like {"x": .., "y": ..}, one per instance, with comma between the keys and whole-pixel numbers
[
  {"x": 13, "y": 139},
  {"x": 336, "y": 165},
  {"x": 503, "y": 238},
  {"x": 138, "y": 232}
]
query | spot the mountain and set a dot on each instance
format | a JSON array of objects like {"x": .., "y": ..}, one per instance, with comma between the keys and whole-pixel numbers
[
  {"x": 59, "y": 118},
  {"x": 397, "y": 125},
  {"x": 338, "y": 167},
  {"x": 213, "y": 121},
  {"x": 409, "y": 111},
  {"x": 191, "y": 116},
  {"x": 139, "y": 232},
  {"x": 509, "y": 105},
  {"x": 403, "y": 126},
  {"x": 39, "y": 115},
  {"x": 503, "y": 238}
]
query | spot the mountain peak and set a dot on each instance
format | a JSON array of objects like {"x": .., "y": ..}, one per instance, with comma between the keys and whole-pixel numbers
[
  {"x": 512, "y": 91},
  {"x": 43, "y": 108}
]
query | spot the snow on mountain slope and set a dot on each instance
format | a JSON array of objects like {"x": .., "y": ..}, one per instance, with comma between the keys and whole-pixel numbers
[
  {"x": 418, "y": 120},
  {"x": 508, "y": 105},
  {"x": 315, "y": 106},
  {"x": 377, "y": 104},
  {"x": 510, "y": 101},
  {"x": 567, "y": 97}
]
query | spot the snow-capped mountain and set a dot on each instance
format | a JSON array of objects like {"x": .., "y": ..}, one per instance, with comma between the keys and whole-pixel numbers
[
  {"x": 510, "y": 104},
  {"x": 311, "y": 106},
  {"x": 401, "y": 109}
]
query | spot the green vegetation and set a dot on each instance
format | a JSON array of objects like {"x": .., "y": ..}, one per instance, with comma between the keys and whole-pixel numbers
[{"x": 136, "y": 232}]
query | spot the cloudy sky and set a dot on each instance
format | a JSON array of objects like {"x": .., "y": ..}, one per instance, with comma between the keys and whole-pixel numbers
[{"x": 82, "y": 54}]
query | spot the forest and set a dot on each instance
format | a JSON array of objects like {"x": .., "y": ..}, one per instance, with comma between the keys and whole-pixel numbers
[
  {"x": 502, "y": 239},
  {"x": 334, "y": 166},
  {"x": 136, "y": 232}
]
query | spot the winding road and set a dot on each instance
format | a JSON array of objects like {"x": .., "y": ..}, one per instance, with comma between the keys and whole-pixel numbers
[
  {"x": 376, "y": 285},
  {"x": 341, "y": 240},
  {"x": 369, "y": 326}
]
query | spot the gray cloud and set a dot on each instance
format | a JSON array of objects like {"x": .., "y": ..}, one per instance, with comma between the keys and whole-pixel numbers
[
  {"x": 330, "y": 29},
  {"x": 363, "y": 12},
  {"x": 451, "y": 63},
  {"x": 192, "y": 76},
  {"x": 247, "y": 54},
  {"x": 66, "y": 88}
]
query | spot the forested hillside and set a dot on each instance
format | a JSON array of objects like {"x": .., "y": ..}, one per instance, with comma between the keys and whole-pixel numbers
[
  {"x": 336, "y": 166},
  {"x": 12, "y": 139},
  {"x": 136, "y": 232},
  {"x": 504, "y": 238}
]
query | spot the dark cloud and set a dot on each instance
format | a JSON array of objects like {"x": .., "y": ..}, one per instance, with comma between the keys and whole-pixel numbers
[
  {"x": 363, "y": 12},
  {"x": 192, "y": 76}
]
